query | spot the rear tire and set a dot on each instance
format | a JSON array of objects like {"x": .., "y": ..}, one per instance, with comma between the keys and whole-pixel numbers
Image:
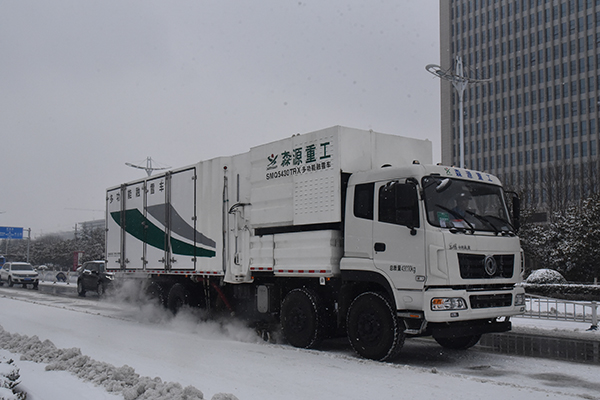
[
  {"x": 374, "y": 330},
  {"x": 156, "y": 292},
  {"x": 179, "y": 296},
  {"x": 458, "y": 343},
  {"x": 301, "y": 318}
]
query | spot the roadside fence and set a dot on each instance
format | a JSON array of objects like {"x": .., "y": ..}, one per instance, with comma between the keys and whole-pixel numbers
[{"x": 563, "y": 310}]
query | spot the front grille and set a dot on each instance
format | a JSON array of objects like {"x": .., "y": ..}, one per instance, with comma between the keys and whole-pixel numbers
[
  {"x": 490, "y": 300},
  {"x": 473, "y": 266}
]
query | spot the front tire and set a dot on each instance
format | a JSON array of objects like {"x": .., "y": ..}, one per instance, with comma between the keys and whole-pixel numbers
[
  {"x": 80, "y": 289},
  {"x": 374, "y": 330},
  {"x": 458, "y": 343},
  {"x": 101, "y": 290},
  {"x": 10, "y": 282},
  {"x": 301, "y": 318}
]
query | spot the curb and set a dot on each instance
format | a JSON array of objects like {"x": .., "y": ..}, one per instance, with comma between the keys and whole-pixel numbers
[{"x": 565, "y": 348}]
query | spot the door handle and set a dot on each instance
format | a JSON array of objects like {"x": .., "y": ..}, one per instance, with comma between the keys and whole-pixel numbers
[{"x": 379, "y": 246}]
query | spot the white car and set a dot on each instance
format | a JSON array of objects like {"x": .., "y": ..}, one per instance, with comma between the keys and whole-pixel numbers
[{"x": 20, "y": 273}]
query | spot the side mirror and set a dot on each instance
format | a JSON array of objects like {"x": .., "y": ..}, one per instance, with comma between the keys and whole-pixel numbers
[
  {"x": 516, "y": 208},
  {"x": 443, "y": 185}
]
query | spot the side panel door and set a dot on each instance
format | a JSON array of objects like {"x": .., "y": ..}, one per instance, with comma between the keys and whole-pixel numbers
[
  {"x": 113, "y": 229},
  {"x": 134, "y": 225},
  {"x": 157, "y": 254},
  {"x": 399, "y": 240},
  {"x": 182, "y": 220},
  {"x": 125, "y": 227}
]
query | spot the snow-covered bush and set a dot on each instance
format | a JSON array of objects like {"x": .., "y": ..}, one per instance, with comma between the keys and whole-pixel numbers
[
  {"x": 545, "y": 276},
  {"x": 9, "y": 379}
]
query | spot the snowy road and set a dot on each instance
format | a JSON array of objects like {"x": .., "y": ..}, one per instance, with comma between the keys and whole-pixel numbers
[{"x": 228, "y": 358}]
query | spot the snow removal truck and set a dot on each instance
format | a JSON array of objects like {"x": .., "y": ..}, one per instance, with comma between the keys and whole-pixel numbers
[{"x": 335, "y": 232}]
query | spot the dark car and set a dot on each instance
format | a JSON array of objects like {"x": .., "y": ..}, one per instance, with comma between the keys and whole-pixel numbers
[{"x": 93, "y": 277}]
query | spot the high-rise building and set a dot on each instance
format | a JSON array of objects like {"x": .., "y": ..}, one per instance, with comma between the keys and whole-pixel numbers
[{"x": 531, "y": 117}]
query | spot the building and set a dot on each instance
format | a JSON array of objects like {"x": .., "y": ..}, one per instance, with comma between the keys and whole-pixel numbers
[
  {"x": 94, "y": 224},
  {"x": 532, "y": 118}
]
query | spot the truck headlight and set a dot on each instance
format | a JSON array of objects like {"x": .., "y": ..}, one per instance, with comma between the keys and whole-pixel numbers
[
  {"x": 448, "y": 303},
  {"x": 520, "y": 299}
]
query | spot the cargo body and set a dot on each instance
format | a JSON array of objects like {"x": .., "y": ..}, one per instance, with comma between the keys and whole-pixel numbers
[{"x": 325, "y": 233}]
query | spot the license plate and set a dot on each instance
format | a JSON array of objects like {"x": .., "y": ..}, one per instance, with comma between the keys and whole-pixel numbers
[{"x": 27, "y": 279}]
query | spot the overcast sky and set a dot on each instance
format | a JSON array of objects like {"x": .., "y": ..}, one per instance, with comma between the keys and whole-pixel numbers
[{"x": 86, "y": 86}]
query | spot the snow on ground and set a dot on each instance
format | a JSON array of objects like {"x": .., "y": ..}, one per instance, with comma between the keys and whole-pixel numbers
[
  {"x": 100, "y": 346},
  {"x": 41, "y": 384}
]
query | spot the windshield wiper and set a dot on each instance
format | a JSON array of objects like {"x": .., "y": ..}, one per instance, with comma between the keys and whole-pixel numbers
[
  {"x": 510, "y": 231},
  {"x": 457, "y": 216},
  {"x": 484, "y": 220}
]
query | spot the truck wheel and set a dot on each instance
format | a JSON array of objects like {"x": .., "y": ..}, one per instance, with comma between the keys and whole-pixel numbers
[
  {"x": 301, "y": 318},
  {"x": 458, "y": 343},
  {"x": 374, "y": 330},
  {"x": 156, "y": 292},
  {"x": 80, "y": 289},
  {"x": 178, "y": 297}
]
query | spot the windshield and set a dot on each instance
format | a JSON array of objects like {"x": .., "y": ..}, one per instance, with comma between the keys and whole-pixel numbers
[
  {"x": 465, "y": 205},
  {"x": 22, "y": 267}
]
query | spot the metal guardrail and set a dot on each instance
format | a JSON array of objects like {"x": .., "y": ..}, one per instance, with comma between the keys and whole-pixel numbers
[{"x": 562, "y": 310}]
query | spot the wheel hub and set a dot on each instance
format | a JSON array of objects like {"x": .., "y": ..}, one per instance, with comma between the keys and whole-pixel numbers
[
  {"x": 297, "y": 319},
  {"x": 369, "y": 328}
]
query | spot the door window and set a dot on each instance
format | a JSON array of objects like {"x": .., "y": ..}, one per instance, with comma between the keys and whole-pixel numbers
[{"x": 398, "y": 204}]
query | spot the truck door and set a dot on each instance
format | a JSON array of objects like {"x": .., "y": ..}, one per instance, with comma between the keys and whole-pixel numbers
[
  {"x": 171, "y": 232},
  {"x": 125, "y": 223},
  {"x": 183, "y": 236},
  {"x": 156, "y": 230},
  {"x": 398, "y": 235},
  {"x": 114, "y": 232}
]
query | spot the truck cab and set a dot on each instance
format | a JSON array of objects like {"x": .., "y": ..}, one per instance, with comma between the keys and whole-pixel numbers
[{"x": 439, "y": 242}]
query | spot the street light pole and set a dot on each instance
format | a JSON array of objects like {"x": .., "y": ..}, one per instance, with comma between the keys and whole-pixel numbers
[{"x": 460, "y": 83}]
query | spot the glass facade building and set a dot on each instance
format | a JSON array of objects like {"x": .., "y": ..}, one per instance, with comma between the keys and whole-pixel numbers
[{"x": 531, "y": 118}]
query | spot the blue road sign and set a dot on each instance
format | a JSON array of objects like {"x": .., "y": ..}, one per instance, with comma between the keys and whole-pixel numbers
[{"x": 8, "y": 232}]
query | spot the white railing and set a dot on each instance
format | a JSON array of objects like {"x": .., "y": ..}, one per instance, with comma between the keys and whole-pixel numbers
[{"x": 562, "y": 310}]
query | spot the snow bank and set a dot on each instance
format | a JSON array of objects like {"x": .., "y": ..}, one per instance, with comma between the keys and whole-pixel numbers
[
  {"x": 9, "y": 379},
  {"x": 118, "y": 380}
]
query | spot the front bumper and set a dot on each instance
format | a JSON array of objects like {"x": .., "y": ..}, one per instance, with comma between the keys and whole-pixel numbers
[
  {"x": 468, "y": 328},
  {"x": 25, "y": 280},
  {"x": 478, "y": 304}
]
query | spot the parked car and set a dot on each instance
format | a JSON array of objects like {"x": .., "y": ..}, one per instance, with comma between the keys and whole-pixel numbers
[
  {"x": 20, "y": 273},
  {"x": 93, "y": 277}
]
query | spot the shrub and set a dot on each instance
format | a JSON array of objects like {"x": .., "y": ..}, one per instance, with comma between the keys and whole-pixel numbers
[{"x": 545, "y": 276}]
